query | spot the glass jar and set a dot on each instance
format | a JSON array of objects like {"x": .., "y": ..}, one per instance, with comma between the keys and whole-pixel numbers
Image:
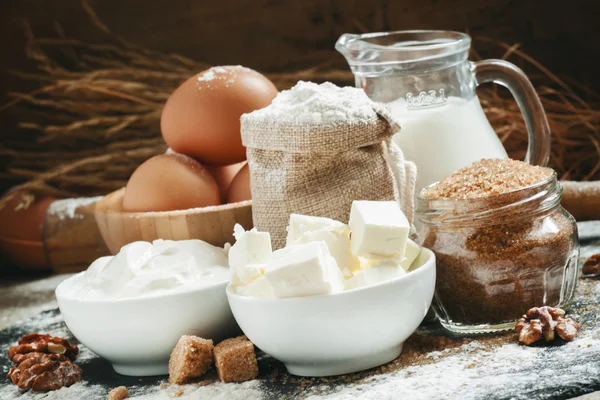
[{"x": 500, "y": 255}]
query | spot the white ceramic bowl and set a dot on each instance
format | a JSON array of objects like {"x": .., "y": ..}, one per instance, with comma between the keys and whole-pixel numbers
[
  {"x": 340, "y": 333},
  {"x": 138, "y": 335}
]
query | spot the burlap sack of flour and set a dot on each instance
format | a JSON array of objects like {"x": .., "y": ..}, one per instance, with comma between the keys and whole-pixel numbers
[{"x": 317, "y": 166}]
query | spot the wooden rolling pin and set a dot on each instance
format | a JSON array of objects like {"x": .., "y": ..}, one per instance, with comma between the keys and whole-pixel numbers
[
  {"x": 582, "y": 199},
  {"x": 49, "y": 234},
  {"x": 71, "y": 236}
]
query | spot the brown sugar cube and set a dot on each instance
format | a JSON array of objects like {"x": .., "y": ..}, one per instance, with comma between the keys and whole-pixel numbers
[
  {"x": 235, "y": 360},
  {"x": 191, "y": 358},
  {"x": 118, "y": 393}
]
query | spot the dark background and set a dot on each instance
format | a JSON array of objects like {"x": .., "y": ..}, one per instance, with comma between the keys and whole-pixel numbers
[{"x": 280, "y": 35}]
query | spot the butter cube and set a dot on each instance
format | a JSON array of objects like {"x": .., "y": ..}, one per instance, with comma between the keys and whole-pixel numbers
[
  {"x": 338, "y": 244},
  {"x": 303, "y": 270},
  {"x": 410, "y": 254},
  {"x": 248, "y": 255},
  {"x": 378, "y": 228},
  {"x": 260, "y": 287},
  {"x": 245, "y": 274},
  {"x": 382, "y": 271},
  {"x": 305, "y": 229},
  {"x": 302, "y": 224}
]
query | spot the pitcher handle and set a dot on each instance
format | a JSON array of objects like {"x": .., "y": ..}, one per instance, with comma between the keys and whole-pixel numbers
[{"x": 512, "y": 77}]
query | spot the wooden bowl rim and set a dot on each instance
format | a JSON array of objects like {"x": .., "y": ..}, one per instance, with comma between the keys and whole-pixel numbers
[{"x": 139, "y": 214}]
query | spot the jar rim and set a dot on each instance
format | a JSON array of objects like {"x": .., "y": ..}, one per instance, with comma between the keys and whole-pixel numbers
[
  {"x": 549, "y": 179},
  {"x": 406, "y": 49},
  {"x": 408, "y": 41},
  {"x": 537, "y": 198}
]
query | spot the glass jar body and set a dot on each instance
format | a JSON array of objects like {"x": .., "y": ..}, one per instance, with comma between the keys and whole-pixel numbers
[{"x": 491, "y": 271}]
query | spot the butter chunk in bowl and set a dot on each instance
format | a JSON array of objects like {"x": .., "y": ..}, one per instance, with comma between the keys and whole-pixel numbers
[{"x": 322, "y": 317}]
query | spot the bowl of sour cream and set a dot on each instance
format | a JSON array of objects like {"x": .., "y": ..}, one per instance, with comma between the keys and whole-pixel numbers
[{"x": 132, "y": 308}]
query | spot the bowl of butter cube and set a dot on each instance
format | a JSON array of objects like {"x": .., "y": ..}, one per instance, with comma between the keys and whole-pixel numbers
[{"x": 338, "y": 298}]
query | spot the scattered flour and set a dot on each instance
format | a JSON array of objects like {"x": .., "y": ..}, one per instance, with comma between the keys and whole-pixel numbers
[
  {"x": 313, "y": 104},
  {"x": 466, "y": 348},
  {"x": 25, "y": 300},
  {"x": 225, "y": 74},
  {"x": 508, "y": 371},
  {"x": 52, "y": 322},
  {"x": 215, "y": 391},
  {"x": 588, "y": 230},
  {"x": 67, "y": 208},
  {"x": 207, "y": 76},
  {"x": 78, "y": 391}
]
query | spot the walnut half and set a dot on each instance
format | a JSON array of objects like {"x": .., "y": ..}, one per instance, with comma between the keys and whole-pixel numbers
[
  {"x": 529, "y": 331},
  {"x": 45, "y": 374},
  {"x": 592, "y": 265},
  {"x": 35, "y": 342},
  {"x": 43, "y": 363},
  {"x": 545, "y": 322}
]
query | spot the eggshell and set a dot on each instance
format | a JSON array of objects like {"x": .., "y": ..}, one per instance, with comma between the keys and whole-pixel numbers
[
  {"x": 239, "y": 190},
  {"x": 169, "y": 182},
  {"x": 201, "y": 118},
  {"x": 224, "y": 176},
  {"x": 21, "y": 232}
]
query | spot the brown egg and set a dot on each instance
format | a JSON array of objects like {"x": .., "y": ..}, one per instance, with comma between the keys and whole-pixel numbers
[
  {"x": 202, "y": 117},
  {"x": 224, "y": 176},
  {"x": 239, "y": 190},
  {"x": 21, "y": 232},
  {"x": 169, "y": 182}
]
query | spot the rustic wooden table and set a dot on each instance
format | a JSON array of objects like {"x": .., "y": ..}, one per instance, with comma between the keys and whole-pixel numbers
[{"x": 432, "y": 366}]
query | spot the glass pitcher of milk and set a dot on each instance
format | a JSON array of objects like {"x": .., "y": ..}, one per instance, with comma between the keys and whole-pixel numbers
[{"x": 429, "y": 84}]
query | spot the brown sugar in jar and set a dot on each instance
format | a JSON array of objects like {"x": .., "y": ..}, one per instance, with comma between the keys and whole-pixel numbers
[{"x": 503, "y": 244}]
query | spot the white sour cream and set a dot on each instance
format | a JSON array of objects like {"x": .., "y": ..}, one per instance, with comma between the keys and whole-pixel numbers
[{"x": 143, "y": 269}]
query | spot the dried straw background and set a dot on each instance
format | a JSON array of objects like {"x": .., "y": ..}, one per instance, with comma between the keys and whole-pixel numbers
[{"x": 98, "y": 107}]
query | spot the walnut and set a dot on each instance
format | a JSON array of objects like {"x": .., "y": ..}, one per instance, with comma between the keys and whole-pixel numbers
[
  {"x": 529, "y": 331},
  {"x": 545, "y": 322},
  {"x": 34, "y": 342},
  {"x": 592, "y": 265},
  {"x": 44, "y": 375},
  {"x": 43, "y": 363},
  {"x": 19, "y": 358},
  {"x": 566, "y": 328}
]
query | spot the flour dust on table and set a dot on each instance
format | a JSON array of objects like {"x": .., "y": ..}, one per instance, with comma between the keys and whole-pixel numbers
[
  {"x": 99, "y": 377},
  {"x": 511, "y": 371},
  {"x": 27, "y": 299}
]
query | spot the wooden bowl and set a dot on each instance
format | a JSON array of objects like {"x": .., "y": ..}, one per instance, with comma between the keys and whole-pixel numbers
[{"x": 212, "y": 224}]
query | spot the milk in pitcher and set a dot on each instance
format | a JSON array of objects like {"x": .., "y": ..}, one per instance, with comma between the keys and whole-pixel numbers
[{"x": 444, "y": 138}]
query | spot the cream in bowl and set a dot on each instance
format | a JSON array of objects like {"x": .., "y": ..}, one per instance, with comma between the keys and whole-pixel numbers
[
  {"x": 132, "y": 308},
  {"x": 338, "y": 298}
]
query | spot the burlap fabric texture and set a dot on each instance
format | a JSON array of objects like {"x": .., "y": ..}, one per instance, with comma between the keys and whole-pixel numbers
[{"x": 317, "y": 170}]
